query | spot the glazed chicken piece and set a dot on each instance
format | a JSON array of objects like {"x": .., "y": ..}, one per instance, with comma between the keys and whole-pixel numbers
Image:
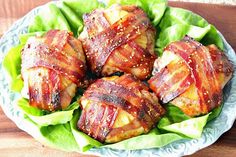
[
  {"x": 119, "y": 39},
  {"x": 191, "y": 76},
  {"x": 52, "y": 67},
  {"x": 117, "y": 108}
]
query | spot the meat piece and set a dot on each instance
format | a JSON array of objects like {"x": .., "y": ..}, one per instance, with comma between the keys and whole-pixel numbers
[
  {"x": 191, "y": 76},
  {"x": 52, "y": 67},
  {"x": 119, "y": 39},
  {"x": 117, "y": 108}
]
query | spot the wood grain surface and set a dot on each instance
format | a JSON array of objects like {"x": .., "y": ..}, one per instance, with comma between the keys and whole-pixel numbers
[{"x": 14, "y": 142}]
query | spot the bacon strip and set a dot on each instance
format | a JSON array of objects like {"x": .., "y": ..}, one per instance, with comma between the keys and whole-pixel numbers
[
  {"x": 108, "y": 97},
  {"x": 49, "y": 53},
  {"x": 201, "y": 69},
  {"x": 119, "y": 96},
  {"x": 220, "y": 62},
  {"x": 118, "y": 34},
  {"x": 46, "y": 90},
  {"x": 171, "y": 81},
  {"x": 209, "y": 90},
  {"x": 52, "y": 66},
  {"x": 113, "y": 44},
  {"x": 94, "y": 22}
]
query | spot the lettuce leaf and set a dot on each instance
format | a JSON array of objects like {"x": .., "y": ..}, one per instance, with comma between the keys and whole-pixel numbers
[
  {"x": 177, "y": 32},
  {"x": 215, "y": 113},
  {"x": 44, "y": 118},
  {"x": 17, "y": 84},
  {"x": 177, "y": 22},
  {"x": 177, "y": 122},
  {"x": 191, "y": 128},
  {"x": 81, "y": 7},
  {"x": 74, "y": 21},
  {"x": 12, "y": 62},
  {"x": 174, "y": 16},
  {"x": 154, "y": 8},
  {"x": 24, "y": 37},
  {"x": 59, "y": 129},
  {"x": 213, "y": 37},
  {"x": 174, "y": 114},
  {"x": 50, "y": 17},
  {"x": 59, "y": 136},
  {"x": 151, "y": 140},
  {"x": 84, "y": 141},
  {"x": 55, "y": 136},
  {"x": 66, "y": 15}
]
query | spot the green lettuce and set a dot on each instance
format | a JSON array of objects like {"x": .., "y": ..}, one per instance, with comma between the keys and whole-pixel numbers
[
  {"x": 191, "y": 128},
  {"x": 151, "y": 140},
  {"x": 81, "y": 7},
  {"x": 72, "y": 18},
  {"x": 213, "y": 37},
  {"x": 154, "y": 8},
  {"x": 177, "y": 122},
  {"x": 56, "y": 136},
  {"x": 44, "y": 118},
  {"x": 59, "y": 136},
  {"x": 66, "y": 15},
  {"x": 84, "y": 141},
  {"x": 24, "y": 37},
  {"x": 174, "y": 16},
  {"x": 177, "y": 32},
  {"x": 59, "y": 129},
  {"x": 50, "y": 17},
  {"x": 12, "y": 62},
  {"x": 177, "y": 22},
  {"x": 215, "y": 113}
]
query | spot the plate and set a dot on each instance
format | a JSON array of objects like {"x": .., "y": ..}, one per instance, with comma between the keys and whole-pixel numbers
[{"x": 212, "y": 131}]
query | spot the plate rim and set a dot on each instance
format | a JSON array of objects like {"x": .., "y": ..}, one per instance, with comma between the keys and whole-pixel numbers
[{"x": 17, "y": 26}]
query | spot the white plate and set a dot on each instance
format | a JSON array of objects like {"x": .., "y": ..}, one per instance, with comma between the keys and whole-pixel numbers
[{"x": 211, "y": 133}]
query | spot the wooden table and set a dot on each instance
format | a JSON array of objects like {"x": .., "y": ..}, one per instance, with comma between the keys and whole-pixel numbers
[{"x": 14, "y": 142}]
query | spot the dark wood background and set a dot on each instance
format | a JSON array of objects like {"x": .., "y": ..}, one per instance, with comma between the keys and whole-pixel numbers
[{"x": 14, "y": 142}]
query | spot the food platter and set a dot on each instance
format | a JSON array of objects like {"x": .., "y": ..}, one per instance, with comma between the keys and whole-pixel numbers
[{"x": 211, "y": 133}]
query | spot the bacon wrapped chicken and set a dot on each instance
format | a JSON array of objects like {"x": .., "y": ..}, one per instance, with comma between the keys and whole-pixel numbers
[
  {"x": 117, "y": 108},
  {"x": 191, "y": 76},
  {"x": 119, "y": 39},
  {"x": 52, "y": 67}
]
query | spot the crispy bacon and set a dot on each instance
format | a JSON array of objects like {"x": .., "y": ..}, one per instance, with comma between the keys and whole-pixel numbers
[
  {"x": 171, "y": 80},
  {"x": 112, "y": 106},
  {"x": 52, "y": 67},
  {"x": 191, "y": 76},
  {"x": 125, "y": 44},
  {"x": 221, "y": 64}
]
